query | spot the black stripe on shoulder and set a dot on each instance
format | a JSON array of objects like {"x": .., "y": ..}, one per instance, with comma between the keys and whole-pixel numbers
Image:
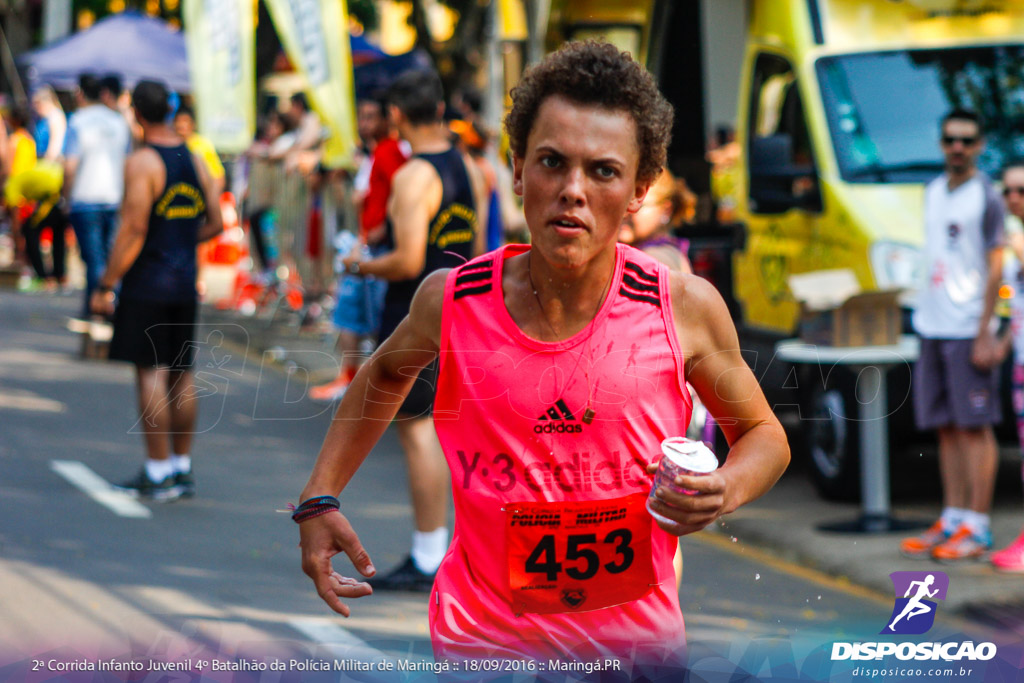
[
  {"x": 641, "y": 273},
  {"x": 470, "y": 291},
  {"x": 640, "y": 297},
  {"x": 472, "y": 276},
  {"x": 632, "y": 282},
  {"x": 479, "y": 265}
]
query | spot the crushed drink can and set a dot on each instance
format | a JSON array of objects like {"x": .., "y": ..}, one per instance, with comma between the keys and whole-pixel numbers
[{"x": 680, "y": 455}]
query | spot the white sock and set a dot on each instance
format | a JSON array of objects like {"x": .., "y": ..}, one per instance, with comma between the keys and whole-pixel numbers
[
  {"x": 952, "y": 518},
  {"x": 158, "y": 470},
  {"x": 428, "y": 549},
  {"x": 182, "y": 463},
  {"x": 977, "y": 522}
]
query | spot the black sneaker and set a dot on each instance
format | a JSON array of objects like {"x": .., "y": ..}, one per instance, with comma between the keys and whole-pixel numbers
[
  {"x": 185, "y": 483},
  {"x": 406, "y": 577},
  {"x": 141, "y": 486}
]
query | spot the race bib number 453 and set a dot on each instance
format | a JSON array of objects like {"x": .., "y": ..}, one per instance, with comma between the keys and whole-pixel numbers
[{"x": 577, "y": 557}]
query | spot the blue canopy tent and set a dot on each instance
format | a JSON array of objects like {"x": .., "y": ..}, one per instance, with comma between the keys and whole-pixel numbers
[
  {"x": 136, "y": 46},
  {"x": 376, "y": 76},
  {"x": 130, "y": 44},
  {"x": 363, "y": 51}
]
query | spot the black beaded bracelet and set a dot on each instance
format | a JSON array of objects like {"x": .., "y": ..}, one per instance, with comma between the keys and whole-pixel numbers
[{"x": 314, "y": 507}]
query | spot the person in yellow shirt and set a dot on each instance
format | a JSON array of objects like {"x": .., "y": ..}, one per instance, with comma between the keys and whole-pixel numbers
[
  {"x": 21, "y": 146},
  {"x": 38, "y": 189},
  {"x": 185, "y": 126},
  {"x": 20, "y": 157}
]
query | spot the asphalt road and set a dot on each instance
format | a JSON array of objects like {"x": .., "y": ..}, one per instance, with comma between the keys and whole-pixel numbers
[{"x": 85, "y": 576}]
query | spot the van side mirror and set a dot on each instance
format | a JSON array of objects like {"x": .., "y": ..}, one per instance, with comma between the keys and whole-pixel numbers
[{"x": 777, "y": 182}]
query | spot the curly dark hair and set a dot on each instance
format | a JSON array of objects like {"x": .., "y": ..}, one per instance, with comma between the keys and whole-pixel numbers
[{"x": 594, "y": 73}]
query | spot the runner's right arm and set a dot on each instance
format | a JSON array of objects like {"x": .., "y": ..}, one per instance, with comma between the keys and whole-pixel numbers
[
  {"x": 370, "y": 403},
  {"x": 416, "y": 194},
  {"x": 140, "y": 171}
]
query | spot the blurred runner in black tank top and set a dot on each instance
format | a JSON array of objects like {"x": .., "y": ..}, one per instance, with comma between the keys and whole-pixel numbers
[
  {"x": 437, "y": 204},
  {"x": 169, "y": 207}
]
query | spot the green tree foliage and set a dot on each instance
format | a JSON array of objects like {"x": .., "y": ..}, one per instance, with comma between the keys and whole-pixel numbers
[
  {"x": 365, "y": 12},
  {"x": 462, "y": 55}
]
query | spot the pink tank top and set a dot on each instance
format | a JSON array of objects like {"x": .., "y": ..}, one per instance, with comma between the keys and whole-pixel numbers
[{"x": 553, "y": 554}]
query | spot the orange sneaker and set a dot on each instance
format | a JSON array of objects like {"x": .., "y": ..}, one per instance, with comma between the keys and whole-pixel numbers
[
  {"x": 331, "y": 391},
  {"x": 921, "y": 546},
  {"x": 962, "y": 545}
]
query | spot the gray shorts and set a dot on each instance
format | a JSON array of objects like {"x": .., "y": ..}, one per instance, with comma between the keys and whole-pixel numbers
[{"x": 949, "y": 391}]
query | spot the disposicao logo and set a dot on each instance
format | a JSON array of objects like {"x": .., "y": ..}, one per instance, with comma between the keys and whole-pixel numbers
[{"x": 914, "y": 612}]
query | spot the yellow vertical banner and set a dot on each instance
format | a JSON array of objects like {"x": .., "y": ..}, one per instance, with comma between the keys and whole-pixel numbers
[
  {"x": 315, "y": 37},
  {"x": 220, "y": 39}
]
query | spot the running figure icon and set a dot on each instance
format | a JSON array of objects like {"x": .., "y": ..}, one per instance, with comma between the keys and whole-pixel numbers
[{"x": 915, "y": 607}]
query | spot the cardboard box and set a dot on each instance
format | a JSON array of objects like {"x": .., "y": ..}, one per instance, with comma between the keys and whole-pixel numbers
[{"x": 835, "y": 312}]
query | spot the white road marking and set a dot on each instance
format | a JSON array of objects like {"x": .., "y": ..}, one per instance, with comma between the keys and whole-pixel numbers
[
  {"x": 170, "y": 601},
  {"x": 29, "y": 402},
  {"x": 97, "y": 488},
  {"x": 341, "y": 643}
]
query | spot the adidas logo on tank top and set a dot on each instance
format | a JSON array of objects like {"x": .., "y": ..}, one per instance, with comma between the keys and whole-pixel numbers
[{"x": 558, "y": 419}]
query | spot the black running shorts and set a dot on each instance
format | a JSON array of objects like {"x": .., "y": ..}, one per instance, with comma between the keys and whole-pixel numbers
[
  {"x": 420, "y": 401},
  {"x": 154, "y": 334}
]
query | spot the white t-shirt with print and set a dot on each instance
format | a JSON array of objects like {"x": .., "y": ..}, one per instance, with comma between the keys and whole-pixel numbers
[
  {"x": 961, "y": 227},
  {"x": 99, "y": 139}
]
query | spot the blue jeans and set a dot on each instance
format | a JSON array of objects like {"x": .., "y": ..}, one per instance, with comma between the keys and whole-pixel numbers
[
  {"x": 95, "y": 225},
  {"x": 360, "y": 301}
]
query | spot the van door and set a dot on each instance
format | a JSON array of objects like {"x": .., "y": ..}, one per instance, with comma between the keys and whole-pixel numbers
[{"x": 783, "y": 197}]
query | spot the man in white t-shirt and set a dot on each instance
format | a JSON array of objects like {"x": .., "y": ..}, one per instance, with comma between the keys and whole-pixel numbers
[
  {"x": 95, "y": 149},
  {"x": 956, "y": 385}
]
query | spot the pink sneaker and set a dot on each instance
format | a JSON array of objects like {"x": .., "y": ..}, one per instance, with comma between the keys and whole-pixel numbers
[{"x": 1010, "y": 558}]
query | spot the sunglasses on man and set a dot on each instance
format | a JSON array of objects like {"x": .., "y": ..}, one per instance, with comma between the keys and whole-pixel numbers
[
  {"x": 1008, "y": 190},
  {"x": 967, "y": 141}
]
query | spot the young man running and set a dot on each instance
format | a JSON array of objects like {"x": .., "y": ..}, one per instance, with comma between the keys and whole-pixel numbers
[{"x": 562, "y": 367}]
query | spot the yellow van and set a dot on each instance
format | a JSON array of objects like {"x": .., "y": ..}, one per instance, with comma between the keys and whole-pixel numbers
[
  {"x": 839, "y": 118},
  {"x": 838, "y": 123}
]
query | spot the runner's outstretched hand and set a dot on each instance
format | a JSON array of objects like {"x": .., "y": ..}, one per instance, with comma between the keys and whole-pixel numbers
[
  {"x": 690, "y": 512},
  {"x": 323, "y": 537}
]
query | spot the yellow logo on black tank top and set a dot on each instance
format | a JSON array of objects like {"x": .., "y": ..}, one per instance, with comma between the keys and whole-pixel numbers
[
  {"x": 454, "y": 211},
  {"x": 189, "y": 204}
]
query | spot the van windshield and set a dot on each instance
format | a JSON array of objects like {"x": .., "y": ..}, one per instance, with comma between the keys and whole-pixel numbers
[{"x": 884, "y": 108}]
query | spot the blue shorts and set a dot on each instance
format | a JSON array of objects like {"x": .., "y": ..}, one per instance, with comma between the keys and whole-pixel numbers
[{"x": 360, "y": 302}]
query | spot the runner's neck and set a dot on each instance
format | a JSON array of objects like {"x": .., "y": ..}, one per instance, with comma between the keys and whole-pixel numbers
[
  {"x": 563, "y": 303},
  {"x": 428, "y": 139}
]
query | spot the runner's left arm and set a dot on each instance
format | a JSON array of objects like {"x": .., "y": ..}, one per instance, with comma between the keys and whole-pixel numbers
[
  {"x": 986, "y": 352},
  {"x": 214, "y": 224},
  {"x": 759, "y": 452},
  {"x": 370, "y": 403},
  {"x": 482, "y": 201}
]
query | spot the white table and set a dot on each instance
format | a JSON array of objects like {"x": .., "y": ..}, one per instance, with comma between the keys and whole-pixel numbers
[{"x": 874, "y": 428}]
